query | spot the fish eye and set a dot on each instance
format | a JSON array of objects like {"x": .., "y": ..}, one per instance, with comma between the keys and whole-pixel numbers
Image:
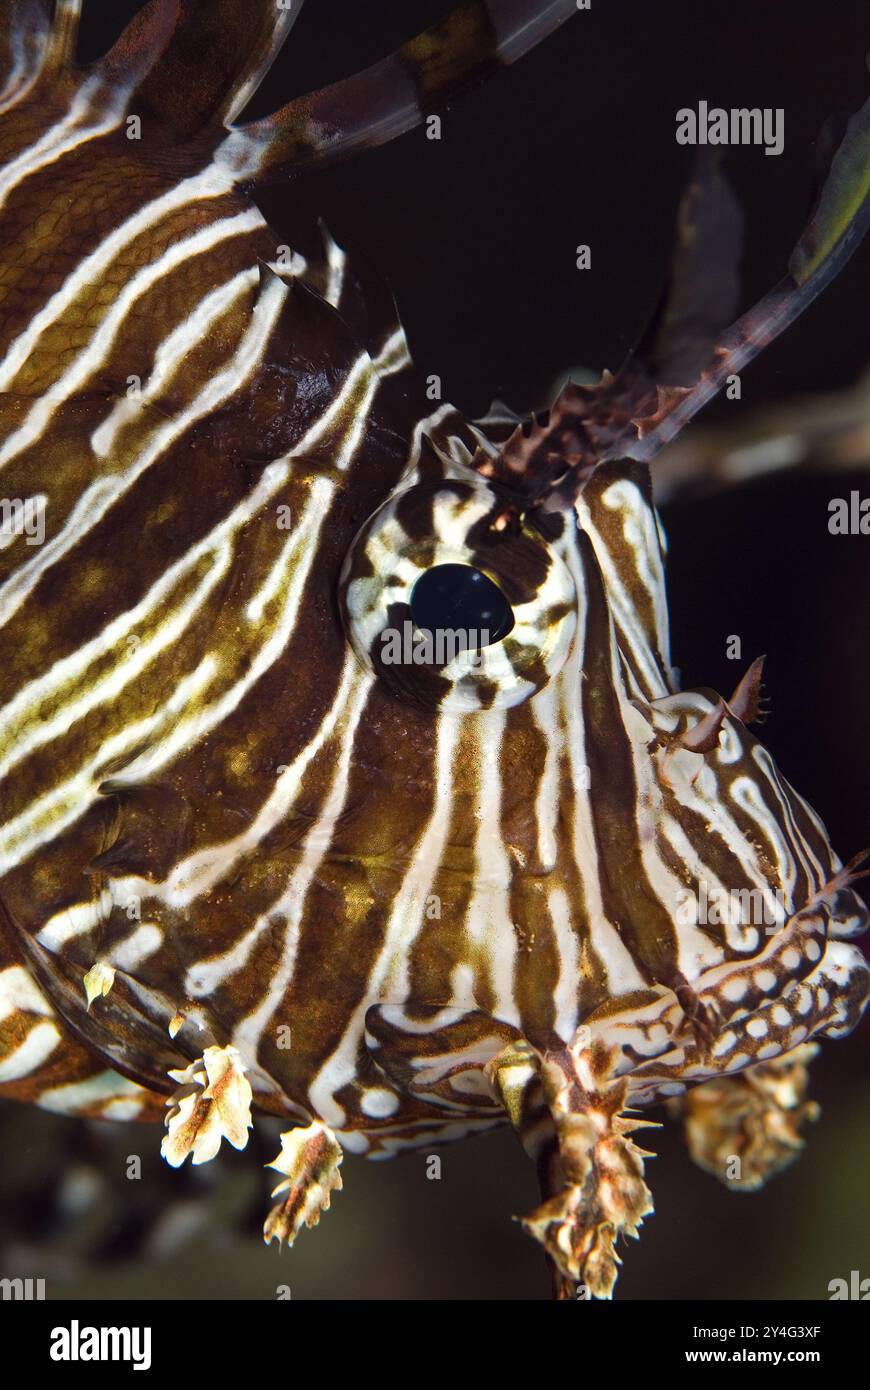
[
  {"x": 461, "y": 597},
  {"x": 451, "y": 607}
]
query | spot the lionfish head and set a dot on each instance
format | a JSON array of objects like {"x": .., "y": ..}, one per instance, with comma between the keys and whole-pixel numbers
[{"x": 518, "y": 611}]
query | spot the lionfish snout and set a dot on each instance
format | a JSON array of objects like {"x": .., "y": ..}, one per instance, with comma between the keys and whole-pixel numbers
[{"x": 762, "y": 882}]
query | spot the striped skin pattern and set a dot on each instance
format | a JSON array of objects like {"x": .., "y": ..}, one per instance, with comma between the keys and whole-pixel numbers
[{"x": 243, "y": 859}]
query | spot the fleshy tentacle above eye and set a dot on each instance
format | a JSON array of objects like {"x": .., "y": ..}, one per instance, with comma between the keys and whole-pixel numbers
[
  {"x": 687, "y": 353},
  {"x": 836, "y": 228}
]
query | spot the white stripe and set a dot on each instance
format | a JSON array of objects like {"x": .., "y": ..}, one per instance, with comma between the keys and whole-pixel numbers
[
  {"x": 816, "y": 872},
  {"x": 567, "y": 940},
  {"x": 50, "y": 814},
  {"x": 621, "y": 973},
  {"x": 288, "y": 13},
  {"x": 336, "y": 261},
  {"x": 201, "y": 871},
  {"x": 360, "y": 381},
  {"x": 545, "y": 714},
  {"x": 137, "y": 947},
  {"x": 249, "y": 1030},
  {"x": 703, "y": 797},
  {"x": 29, "y": 1056},
  {"x": 206, "y": 975},
  {"x": 740, "y": 937},
  {"x": 94, "y": 356},
  {"x": 26, "y": 65},
  {"x": 488, "y": 922},
  {"x": 96, "y": 501},
  {"x": 389, "y": 974},
  {"x": 175, "y": 348},
  {"x": 75, "y": 921},
  {"x": 623, "y": 609},
  {"x": 42, "y": 694},
  {"x": 394, "y": 355},
  {"x": 93, "y": 1091},
  {"x": 210, "y": 183},
  {"x": 19, "y": 993},
  {"x": 411, "y": 471},
  {"x": 62, "y": 138}
]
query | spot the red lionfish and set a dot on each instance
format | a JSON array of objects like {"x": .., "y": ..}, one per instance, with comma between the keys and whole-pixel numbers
[{"x": 246, "y": 856}]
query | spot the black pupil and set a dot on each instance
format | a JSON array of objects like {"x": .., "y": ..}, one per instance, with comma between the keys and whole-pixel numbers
[{"x": 461, "y": 597}]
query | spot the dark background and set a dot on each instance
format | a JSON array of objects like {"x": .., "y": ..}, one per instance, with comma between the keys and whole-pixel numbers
[{"x": 477, "y": 235}]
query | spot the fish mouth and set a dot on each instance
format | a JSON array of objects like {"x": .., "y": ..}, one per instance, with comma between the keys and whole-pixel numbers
[{"x": 809, "y": 981}]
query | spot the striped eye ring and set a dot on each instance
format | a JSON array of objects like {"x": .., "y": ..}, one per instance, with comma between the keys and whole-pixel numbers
[{"x": 452, "y": 607}]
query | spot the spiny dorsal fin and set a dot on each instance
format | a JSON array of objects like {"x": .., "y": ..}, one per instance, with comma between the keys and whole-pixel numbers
[
  {"x": 195, "y": 64},
  {"x": 36, "y": 48},
  {"x": 397, "y": 93},
  {"x": 140, "y": 47},
  {"x": 700, "y": 296},
  {"x": 218, "y": 55},
  {"x": 191, "y": 63},
  {"x": 24, "y": 36},
  {"x": 61, "y": 48}
]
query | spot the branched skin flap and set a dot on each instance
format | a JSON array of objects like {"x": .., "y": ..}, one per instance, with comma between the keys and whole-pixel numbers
[{"x": 253, "y": 852}]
